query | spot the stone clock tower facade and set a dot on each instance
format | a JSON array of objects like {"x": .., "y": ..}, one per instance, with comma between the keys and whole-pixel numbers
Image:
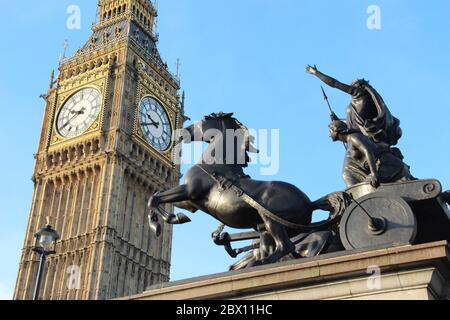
[{"x": 105, "y": 148}]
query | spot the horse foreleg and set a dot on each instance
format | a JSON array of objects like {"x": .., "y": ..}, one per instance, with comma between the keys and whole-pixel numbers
[{"x": 177, "y": 194}]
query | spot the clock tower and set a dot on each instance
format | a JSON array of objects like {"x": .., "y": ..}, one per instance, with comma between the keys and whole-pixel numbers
[{"x": 105, "y": 147}]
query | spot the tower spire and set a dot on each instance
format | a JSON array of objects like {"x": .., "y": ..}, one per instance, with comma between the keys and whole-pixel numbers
[{"x": 65, "y": 47}]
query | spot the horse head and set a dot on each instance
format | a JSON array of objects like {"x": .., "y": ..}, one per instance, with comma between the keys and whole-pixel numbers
[{"x": 222, "y": 130}]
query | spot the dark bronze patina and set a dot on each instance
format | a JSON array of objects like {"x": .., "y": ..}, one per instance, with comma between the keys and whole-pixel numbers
[
  {"x": 368, "y": 133},
  {"x": 367, "y": 111},
  {"x": 366, "y": 160},
  {"x": 383, "y": 205},
  {"x": 278, "y": 211}
]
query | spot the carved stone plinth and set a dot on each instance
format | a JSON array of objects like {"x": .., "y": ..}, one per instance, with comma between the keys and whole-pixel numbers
[{"x": 420, "y": 272}]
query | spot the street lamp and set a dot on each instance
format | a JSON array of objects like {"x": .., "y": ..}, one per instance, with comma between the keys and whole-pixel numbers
[{"x": 45, "y": 245}]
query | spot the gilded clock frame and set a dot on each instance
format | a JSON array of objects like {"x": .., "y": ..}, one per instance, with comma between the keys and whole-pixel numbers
[
  {"x": 148, "y": 86},
  {"x": 57, "y": 138},
  {"x": 141, "y": 133},
  {"x": 138, "y": 128}
]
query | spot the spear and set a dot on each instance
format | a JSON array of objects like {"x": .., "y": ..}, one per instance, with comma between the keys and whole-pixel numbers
[{"x": 333, "y": 115}]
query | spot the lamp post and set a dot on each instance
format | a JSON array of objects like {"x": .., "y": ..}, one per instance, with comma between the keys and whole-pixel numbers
[{"x": 45, "y": 245}]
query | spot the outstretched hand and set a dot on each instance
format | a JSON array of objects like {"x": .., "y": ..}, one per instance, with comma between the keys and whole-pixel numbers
[{"x": 311, "y": 70}]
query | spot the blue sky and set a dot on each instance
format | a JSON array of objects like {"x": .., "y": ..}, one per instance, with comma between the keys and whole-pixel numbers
[{"x": 247, "y": 57}]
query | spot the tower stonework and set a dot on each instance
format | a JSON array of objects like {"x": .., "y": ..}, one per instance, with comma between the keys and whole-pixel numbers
[{"x": 99, "y": 161}]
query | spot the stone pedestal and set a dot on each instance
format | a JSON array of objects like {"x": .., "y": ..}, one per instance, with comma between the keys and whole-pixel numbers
[{"x": 420, "y": 272}]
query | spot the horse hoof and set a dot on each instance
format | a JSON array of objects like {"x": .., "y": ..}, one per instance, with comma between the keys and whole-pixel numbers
[
  {"x": 156, "y": 228},
  {"x": 182, "y": 218},
  {"x": 178, "y": 219}
]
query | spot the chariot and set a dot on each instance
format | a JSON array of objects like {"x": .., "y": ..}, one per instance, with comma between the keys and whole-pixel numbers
[{"x": 395, "y": 214}]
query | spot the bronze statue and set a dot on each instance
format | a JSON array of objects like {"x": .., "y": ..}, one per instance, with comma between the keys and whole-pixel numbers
[
  {"x": 367, "y": 111},
  {"x": 383, "y": 205},
  {"x": 219, "y": 187},
  {"x": 367, "y": 161},
  {"x": 368, "y": 115}
]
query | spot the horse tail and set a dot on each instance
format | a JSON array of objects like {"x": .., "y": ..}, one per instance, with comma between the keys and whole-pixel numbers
[{"x": 336, "y": 203}]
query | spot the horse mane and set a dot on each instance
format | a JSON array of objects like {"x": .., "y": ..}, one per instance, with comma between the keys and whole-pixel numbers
[{"x": 248, "y": 138}]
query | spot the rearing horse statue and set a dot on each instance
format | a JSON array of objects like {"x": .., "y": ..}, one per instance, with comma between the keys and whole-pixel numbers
[{"x": 278, "y": 210}]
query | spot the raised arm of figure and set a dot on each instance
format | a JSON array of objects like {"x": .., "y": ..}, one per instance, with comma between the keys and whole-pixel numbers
[{"x": 331, "y": 81}]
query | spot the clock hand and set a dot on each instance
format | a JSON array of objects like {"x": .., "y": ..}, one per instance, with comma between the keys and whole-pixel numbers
[
  {"x": 76, "y": 114},
  {"x": 154, "y": 123},
  {"x": 70, "y": 120}
]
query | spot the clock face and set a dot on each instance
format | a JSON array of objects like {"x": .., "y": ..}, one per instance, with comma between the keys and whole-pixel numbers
[
  {"x": 155, "y": 124},
  {"x": 79, "y": 112}
]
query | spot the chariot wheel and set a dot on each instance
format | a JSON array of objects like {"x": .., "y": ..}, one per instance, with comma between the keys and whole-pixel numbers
[{"x": 378, "y": 220}]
